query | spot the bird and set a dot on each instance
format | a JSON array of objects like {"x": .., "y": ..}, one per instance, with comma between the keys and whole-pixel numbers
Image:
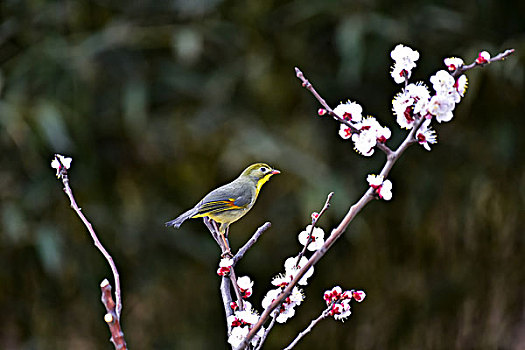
[{"x": 230, "y": 202}]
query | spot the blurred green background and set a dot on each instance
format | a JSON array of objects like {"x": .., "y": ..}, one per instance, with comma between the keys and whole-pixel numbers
[{"x": 160, "y": 101}]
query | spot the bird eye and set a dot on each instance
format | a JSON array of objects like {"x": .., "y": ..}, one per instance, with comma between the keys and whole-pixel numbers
[{"x": 263, "y": 169}]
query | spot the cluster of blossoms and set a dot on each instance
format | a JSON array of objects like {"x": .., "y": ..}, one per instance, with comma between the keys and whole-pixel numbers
[
  {"x": 414, "y": 102},
  {"x": 242, "y": 321},
  {"x": 364, "y": 132},
  {"x": 339, "y": 301},
  {"x": 240, "y": 324},
  {"x": 281, "y": 281},
  {"x": 382, "y": 187}
]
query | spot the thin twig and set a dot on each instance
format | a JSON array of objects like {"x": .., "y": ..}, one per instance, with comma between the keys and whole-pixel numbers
[
  {"x": 308, "y": 86},
  {"x": 314, "y": 221},
  {"x": 96, "y": 241},
  {"x": 111, "y": 318},
  {"x": 266, "y": 332},
  {"x": 499, "y": 57},
  {"x": 113, "y": 308},
  {"x": 251, "y": 242},
  {"x": 308, "y": 329}
]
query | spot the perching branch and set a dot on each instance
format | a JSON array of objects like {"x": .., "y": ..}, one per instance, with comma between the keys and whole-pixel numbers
[{"x": 225, "y": 249}]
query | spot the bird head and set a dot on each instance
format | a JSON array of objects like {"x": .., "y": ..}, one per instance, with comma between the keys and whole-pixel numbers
[{"x": 259, "y": 173}]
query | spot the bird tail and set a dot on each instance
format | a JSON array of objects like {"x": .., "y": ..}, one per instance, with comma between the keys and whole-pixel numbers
[{"x": 181, "y": 218}]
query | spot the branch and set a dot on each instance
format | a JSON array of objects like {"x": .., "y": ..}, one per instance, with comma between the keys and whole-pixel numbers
[
  {"x": 225, "y": 249},
  {"x": 251, "y": 242},
  {"x": 308, "y": 86},
  {"x": 266, "y": 332},
  {"x": 369, "y": 195},
  {"x": 309, "y": 328},
  {"x": 96, "y": 241},
  {"x": 499, "y": 57},
  {"x": 315, "y": 218},
  {"x": 111, "y": 318},
  {"x": 113, "y": 309}
]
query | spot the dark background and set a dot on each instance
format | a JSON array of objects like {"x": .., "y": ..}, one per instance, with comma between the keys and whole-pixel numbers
[{"x": 160, "y": 101}]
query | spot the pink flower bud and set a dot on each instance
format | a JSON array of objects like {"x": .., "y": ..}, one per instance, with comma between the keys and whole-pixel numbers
[
  {"x": 321, "y": 112},
  {"x": 483, "y": 57}
]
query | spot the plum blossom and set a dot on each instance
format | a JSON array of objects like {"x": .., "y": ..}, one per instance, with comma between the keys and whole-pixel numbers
[
  {"x": 453, "y": 63},
  {"x": 441, "y": 106},
  {"x": 245, "y": 285},
  {"x": 425, "y": 135},
  {"x": 483, "y": 57},
  {"x": 442, "y": 82},
  {"x": 409, "y": 103},
  {"x": 351, "y": 111},
  {"x": 240, "y": 324},
  {"x": 345, "y": 131},
  {"x": 339, "y": 301},
  {"x": 61, "y": 164},
  {"x": 287, "y": 308},
  {"x": 461, "y": 85},
  {"x": 370, "y": 132},
  {"x": 292, "y": 268},
  {"x": 317, "y": 238},
  {"x": 383, "y": 188},
  {"x": 224, "y": 266},
  {"x": 405, "y": 60}
]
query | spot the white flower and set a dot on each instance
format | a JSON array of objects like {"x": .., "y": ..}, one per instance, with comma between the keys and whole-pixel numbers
[
  {"x": 332, "y": 294},
  {"x": 461, "y": 85},
  {"x": 358, "y": 295},
  {"x": 341, "y": 311},
  {"x": 400, "y": 73},
  {"x": 425, "y": 135},
  {"x": 442, "y": 106},
  {"x": 442, "y": 82},
  {"x": 351, "y": 111},
  {"x": 405, "y": 56},
  {"x": 270, "y": 296},
  {"x": 483, "y": 57},
  {"x": 345, "y": 131},
  {"x": 281, "y": 280},
  {"x": 244, "y": 282},
  {"x": 226, "y": 262},
  {"x": 385, "y": 191},
  {"x": 237, "y": 335},
  {"x": 370, "y": 132},
  {"x": 374, "y": 181},
  {"x": 248, "y": 316},
  {"x": 317, "y": 238},
  {"x": 382, "y": 187},
  {"x": 405, "y": 60},
  {"x": 245, "y": 285},
  {"x": 453, "y": 63},
  {"x": 292, "y": 268},
  {"x": 286, "y": 310},
  {"x": 60, "y": 162}
]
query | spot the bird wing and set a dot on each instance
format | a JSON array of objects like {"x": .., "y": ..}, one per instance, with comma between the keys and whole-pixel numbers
[{"x": 225, "y": 198}]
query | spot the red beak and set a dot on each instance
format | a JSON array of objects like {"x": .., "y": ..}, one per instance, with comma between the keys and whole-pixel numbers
[{"x": 275, "y": 172}]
